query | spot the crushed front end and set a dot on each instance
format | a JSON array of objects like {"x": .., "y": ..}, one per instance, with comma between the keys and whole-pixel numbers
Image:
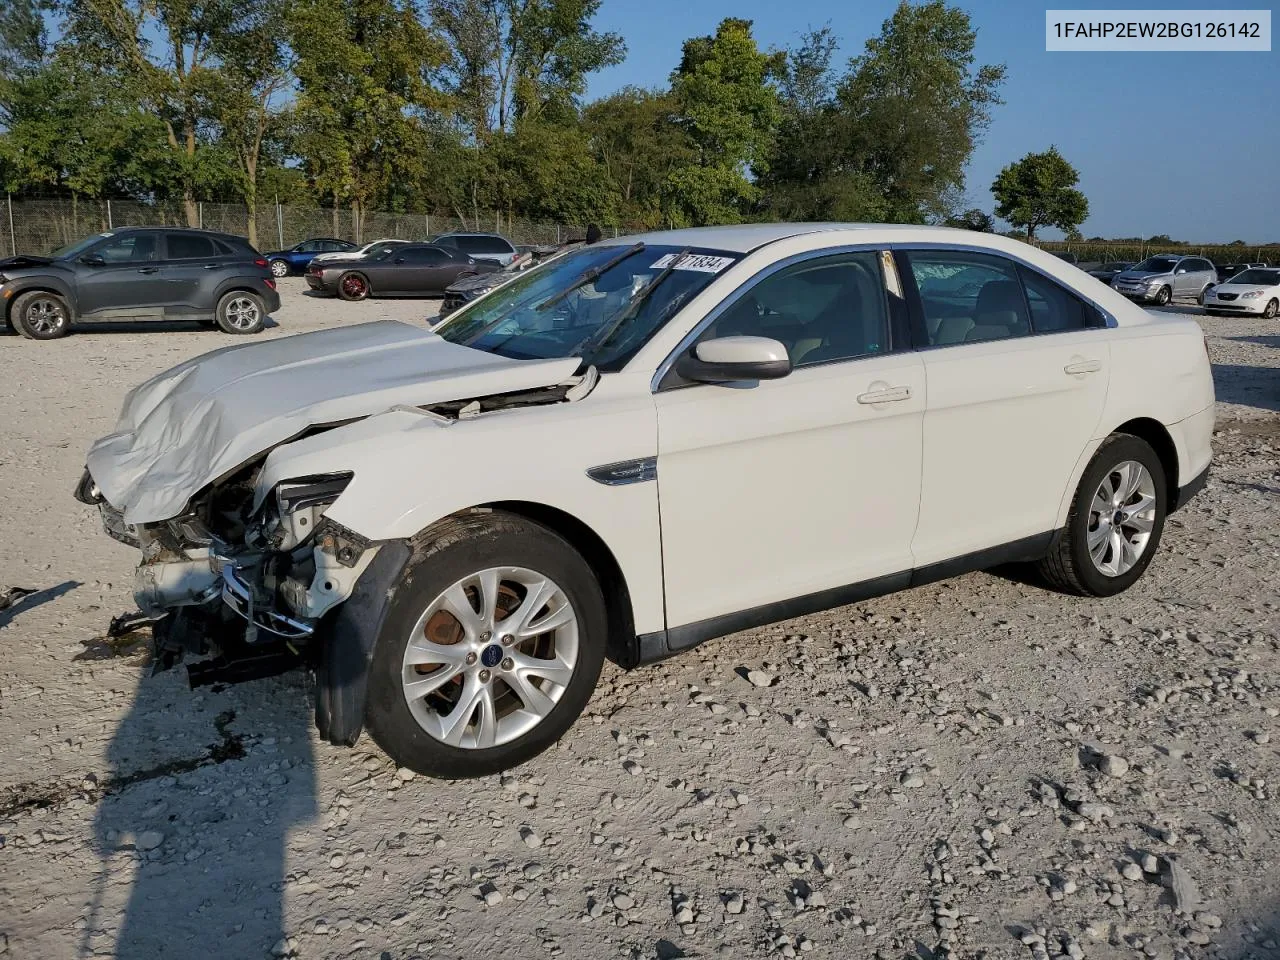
[{"x": 246, "y": 589}]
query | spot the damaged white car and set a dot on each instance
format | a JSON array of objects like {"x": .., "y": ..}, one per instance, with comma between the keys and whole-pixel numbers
[{"x": 636, "y": 447}]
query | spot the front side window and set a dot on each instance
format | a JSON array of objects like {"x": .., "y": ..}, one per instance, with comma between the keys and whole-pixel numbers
[
  {"x": 422, "y": 256},
  {"x": 968, "y": 297},
  {"x": 822, "y": 310},
  {"x": 131, "y": 248},
  {"x": 600, "y": 303}
]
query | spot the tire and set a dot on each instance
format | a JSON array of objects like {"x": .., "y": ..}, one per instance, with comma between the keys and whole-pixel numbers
[
  {"x": 240, "y": 312},
  {"x": 41, "y": 315},
  {"x": 1207, "y": 288},
  {"x": 1070, "y": 566},
  {"x": 279, "y": 268},
  {"x": 457, "y": 552},
  {"x": 353, "y": 286},
  {"x": 1272, "y": 308},
  {"x": 1164, "y": 296}
]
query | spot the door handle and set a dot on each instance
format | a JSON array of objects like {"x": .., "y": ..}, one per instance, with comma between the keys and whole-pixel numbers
[
  {"x": 211, "y": 266},
  {"x": 1083, "y": 366},
  {"x": 885, "y": 394},
  {"x": 148, "y": 269}
]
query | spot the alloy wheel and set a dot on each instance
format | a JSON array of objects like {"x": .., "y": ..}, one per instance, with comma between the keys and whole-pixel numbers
[
  {"x": 490, "y": 657},
  {"x": 242, "y": 313},
  {"x": 1122, "y": 515},
  {"x": 44, "y": 315},
  {"x": 354, "y": 286},
  {"x": 279, "y": 268}
]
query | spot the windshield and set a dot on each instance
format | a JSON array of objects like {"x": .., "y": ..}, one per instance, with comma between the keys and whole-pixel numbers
[
  {"x": 1261, "y": 278},
  {"x": 549, "y": 312},
  {"x": 80, "y": 246},
  {"x": 1156, "y": 265}
]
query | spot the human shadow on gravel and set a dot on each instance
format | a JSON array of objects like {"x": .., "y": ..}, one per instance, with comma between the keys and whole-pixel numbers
[
  {"x": 1262, "y": 341},
  {"x": 1247, "y": 386},
  {"x": 203, "y": 791}
]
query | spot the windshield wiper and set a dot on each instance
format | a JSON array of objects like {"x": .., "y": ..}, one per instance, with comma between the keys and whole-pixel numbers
[
  {"x": 589, "y": 277},
  {"x": 602, "y": 336}
]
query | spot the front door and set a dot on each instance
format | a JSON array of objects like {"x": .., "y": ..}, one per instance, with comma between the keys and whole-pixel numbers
[
  {"x": 775, "y": 490},
  {"x": 128, "y": 282},
  {"x": 1017, "y": 377}
]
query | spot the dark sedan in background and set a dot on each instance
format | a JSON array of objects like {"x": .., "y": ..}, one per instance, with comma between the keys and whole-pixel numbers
[
  {"x": 298, "y": 258},
  {"x": 1106, "y": 272},
  {"x": 139, "y": 273},
  {"x": 412, "y": 270}
]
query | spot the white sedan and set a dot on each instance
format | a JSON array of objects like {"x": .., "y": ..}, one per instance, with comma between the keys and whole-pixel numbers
[
  {"x": 1255, "y": 292},
  {"x": 634, "y": 448},
  {"x": 359, "y": 252}
]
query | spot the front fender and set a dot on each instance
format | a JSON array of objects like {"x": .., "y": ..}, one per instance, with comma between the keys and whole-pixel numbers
[{"x": 51, "y": 282}]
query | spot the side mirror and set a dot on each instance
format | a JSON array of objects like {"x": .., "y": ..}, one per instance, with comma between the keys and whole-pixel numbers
[
  {"x": 1182, "y": 269},
  {"x": 93, "y": 260},
  {"x": 727, "y": 359}
]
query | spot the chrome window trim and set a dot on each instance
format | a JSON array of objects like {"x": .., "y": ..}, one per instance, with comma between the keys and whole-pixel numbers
[
  {"x": 760, "y": 275},
  {"x": 1108, "y": 317}
]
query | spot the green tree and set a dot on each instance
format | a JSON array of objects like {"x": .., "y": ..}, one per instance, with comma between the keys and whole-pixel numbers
[
  {"x": 728, "y": 107},
  {"x": 974, "y": 219},
  {"x": 1039, "y": 191},
  {"x": 914, "y": 106}
]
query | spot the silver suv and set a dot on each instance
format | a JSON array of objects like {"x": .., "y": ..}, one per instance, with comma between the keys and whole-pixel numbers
[{"x": 1168, "y": 275}]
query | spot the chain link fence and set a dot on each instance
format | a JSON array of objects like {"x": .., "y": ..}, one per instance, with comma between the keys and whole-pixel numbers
[{"x": 40, "y": 226}]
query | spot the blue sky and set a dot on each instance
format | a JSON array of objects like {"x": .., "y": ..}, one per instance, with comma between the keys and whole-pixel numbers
[{"x": 1186, "y": 144}]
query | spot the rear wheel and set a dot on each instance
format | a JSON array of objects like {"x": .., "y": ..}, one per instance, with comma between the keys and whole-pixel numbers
[
  {"x": 1272, "y": 308},
  {"x": 240, "y": 312},
  {"x": 1115, "y": 522},
  {"x": 353, "y": 286},
  {"x": 279, "y": 268},
  {"x": 1164, "y": 296},
  {"x": 40, "y": 315},
  {"x": 490, "y": 650}
]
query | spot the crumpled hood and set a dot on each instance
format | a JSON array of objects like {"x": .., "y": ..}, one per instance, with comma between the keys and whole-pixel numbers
[{"x": 201, "y": 420}]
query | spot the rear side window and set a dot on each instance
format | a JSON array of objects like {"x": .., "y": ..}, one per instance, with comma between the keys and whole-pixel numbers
[
  {"x": 968, "y": 297},
  {"x": 428, "y": 256},
  {"x": 1053, "y": 308},
  {"x": 482, "y": 245},
  {"x": 187, "y": 246}
]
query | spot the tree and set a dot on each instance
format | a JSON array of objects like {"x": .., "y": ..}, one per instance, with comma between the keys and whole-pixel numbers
[
  {"x": 913, "y": 106},
  {"x": 1039, "y": 191},
  {"x": 975, "y": 219},
  {"x": 728, "y": 108}
]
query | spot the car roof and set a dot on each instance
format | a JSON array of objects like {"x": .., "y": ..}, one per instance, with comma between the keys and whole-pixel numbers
[{"x": 745, "y": 237}]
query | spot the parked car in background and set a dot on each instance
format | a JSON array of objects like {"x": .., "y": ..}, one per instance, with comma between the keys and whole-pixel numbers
[
  {"x": 411, "y": 270},
  {"x": 296, "y": 258},
  {"x": 1161, "y": 278},
  {"x": 1229, "y": 270},
  {"x": 140, "y": 273},
  {"x": 463, "y": 291},
  {"x": 634, "y": 448},
  {"x": 1106, "y": 272},
  {"x": 481, "y": 246},
  {"x": 1254, "y": 291},
  {"x": 359, "y": 253},
  {"x": 1069, "y": 257}
]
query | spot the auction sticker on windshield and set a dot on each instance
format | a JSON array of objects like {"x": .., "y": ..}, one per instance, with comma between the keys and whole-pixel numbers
[{"x": 701, "y": 262}]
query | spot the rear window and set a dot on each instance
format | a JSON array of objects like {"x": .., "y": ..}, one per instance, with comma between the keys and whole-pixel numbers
[
  {"x": 482, "y": 245},
  {"x": 186, "y": 246}
]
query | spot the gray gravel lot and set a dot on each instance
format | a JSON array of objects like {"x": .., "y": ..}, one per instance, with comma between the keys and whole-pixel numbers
[{"x": 974, "y": 768}]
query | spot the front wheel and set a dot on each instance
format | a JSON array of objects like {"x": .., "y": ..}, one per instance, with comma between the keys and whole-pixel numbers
[
  {"x": 1115, "y": 522},
  {"x": 1164, "y": 296},
  {"x": 279, "y": 268},
  {"x": 40, "y": 315},
  {"x": 1272, "y": 308},
  {"x": 490, "y": 650},
  {"x": 240, "y": 312},
  {"x": 1207, "y": 288}
]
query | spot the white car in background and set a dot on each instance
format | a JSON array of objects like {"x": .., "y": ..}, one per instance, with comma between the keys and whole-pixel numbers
[
  {"x": 636, "y": 447},
  {"x": 1255, "y": 291},
  {"x": 360, "y": 252}
]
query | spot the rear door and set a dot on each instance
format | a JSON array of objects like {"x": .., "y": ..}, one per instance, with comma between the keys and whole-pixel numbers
[
  {"x": 195, "y": 265},
  {"x": 417, "y": 270},
  {"x": 1016, "y": 368},
  {"x": 128, "y": 284}
]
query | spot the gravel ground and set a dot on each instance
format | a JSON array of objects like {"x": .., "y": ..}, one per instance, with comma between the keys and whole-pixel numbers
[{"x": 974, "y": 768}]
